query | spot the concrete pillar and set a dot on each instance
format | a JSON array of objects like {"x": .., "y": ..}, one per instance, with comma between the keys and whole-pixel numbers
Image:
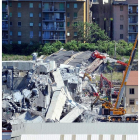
[
  {"x": 88, "y": 137},
  {"x": 73, "y": 137},
  {"x": 61, "y": 137}
]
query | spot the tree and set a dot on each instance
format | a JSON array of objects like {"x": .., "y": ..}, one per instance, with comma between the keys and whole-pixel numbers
[{"x": 89, "y": 32}]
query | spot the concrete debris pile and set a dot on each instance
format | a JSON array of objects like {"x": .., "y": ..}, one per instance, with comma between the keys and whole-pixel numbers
[
  {"x": 56, "y": 89},
  {"x": 42, "y": 92}
]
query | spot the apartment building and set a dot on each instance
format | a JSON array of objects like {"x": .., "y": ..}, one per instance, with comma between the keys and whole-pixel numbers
[
  {"x": 125, "y": 15},
  {"x": 59, "y": 17},
  {"x": 131, "y": 93},
  {"x": 102, "y": 14},
  {"x": 42, "y": 21},
  {"x": 5, "y": 23}
]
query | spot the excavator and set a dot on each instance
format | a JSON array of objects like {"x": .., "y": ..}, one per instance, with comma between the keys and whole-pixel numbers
[{"x": 117, "y": 113}]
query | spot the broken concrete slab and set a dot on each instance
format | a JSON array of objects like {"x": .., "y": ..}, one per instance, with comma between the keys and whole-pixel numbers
[
  {"x": 72, "y": 115},
  {"x": 17, "y": 96},
  {"x": 56, "y": 106},
  {"x": 19, "y": 65},
  {"x": 46, "y": 67},
  {"x": 26, "y": 93},
  {"x": 58, "y": 80}
]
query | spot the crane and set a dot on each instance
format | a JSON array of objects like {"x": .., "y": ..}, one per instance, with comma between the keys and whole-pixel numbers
[
  {"x": 118, "y": 113},
  {"x": 97, "y": 54}
]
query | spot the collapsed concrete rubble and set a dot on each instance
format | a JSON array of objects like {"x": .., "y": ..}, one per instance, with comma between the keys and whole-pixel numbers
[{"x": 41, "y": 91}]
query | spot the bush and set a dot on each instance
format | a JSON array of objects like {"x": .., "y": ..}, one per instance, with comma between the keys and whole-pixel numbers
[{"x": 122, "y": 47}]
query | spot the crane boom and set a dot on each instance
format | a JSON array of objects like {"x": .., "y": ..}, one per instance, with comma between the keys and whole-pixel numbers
[{"x": 126, "y": 75}]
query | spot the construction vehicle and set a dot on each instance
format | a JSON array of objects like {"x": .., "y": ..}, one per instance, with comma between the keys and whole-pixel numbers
[
  {"x": 87, "y": 75},
  {"x": 117, "y": 113},
  {"x": 97, "y": 54}
]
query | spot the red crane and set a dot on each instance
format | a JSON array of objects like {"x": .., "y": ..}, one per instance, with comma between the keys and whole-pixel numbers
[{"x": 97, "y": 54}]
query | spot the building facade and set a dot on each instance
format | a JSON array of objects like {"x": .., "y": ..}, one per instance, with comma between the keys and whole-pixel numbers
[
  {"x": 125, "y": 15},
  {"x": 42, "y": 21},
  {"x": 131, "y": 93},
  {"x": 5, "y": 22},
  {"x": 102, "y": 14}
]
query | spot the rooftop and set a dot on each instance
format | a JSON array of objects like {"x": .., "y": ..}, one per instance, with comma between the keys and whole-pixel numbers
[{"x": 132, "y": 79}]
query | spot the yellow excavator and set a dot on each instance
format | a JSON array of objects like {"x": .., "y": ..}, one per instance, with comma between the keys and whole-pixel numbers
[
  {"x": 117, "y": 113},
  {"x": 87, "y": 75}
]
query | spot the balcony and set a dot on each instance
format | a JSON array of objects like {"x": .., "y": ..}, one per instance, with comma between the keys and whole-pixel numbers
[
  {"x": 4, "y": 41},
  {"x": 53, "y": 19},
  {"x": 52, "y": 9},
  {"x": 48, "y": 19},
  {"x": 4, "y": 18},
  {"x": 54, "y": 29},
  {"x": 133, "y": 12},
  {"x": 4, "y": 37},
  {"x": 5, "y": 27},
  {"x": 4, "y": 10},
  {"x": 131, "y": 40},
  {"x": 133, "y": 21},
  {"x": 54, "y": 38},
  {"x": 133, "y": 30}
]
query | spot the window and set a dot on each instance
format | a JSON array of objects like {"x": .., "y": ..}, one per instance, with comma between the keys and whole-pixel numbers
[
  {"x": 11, "y": 42},
  {"x": 75, "y": 5},
  {"x": 31, "y": 34},
  {"x": 39, "y": 5},
  {"x": 131, "y": 91},
  {"x": 31, "y": 14},
  {"x": 11, "y": 33},
  {"x": 68, "y": 15},
  {"x": 10, "y": 23},
  {"x": 31, "y": 24},
  {"x": 39, "y": 14},
  {"x": 19, "y": 42},
  {"x": 39, "y": 33},
  {"x": 10, "y": 4},
  {"x": 121, "y": 27},
  {"x": 39, "y": 24},
  {"x": 68, "y": 33},
  {"x": 75, "y": 23},
  {"x": 121, "y": 17},
  {"x": 95, "y": 0},
  {"x": 68, "y": 5},
  {"x": 19, "y": 14},
  {"x": 31, "y": 5},
  {"x": 19, "y": 5},
  {"x": 121, "y": 8},
  {"x": 131, "y": 102},
  {"x": 10, "y": 14},
  {"x": 121, "y": 36},
  {"x": 19, "y": 33},
  {"x": 75, "y": 15},
  {"x": 19, "y": 23},
  {"x": 68, "y": 24},
  {"x": 75, "y": 33}
]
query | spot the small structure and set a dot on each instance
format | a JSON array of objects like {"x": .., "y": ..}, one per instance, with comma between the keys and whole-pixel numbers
[{"x": 131, "y": 93}]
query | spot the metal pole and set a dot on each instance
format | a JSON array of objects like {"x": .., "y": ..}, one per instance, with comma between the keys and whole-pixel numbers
[
  {"x": 110, "y": 87},
  {"x": 115, "y": 50}
]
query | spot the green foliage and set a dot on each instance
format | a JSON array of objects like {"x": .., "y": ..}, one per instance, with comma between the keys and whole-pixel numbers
[
  {"x": 105, "y": 46},
  {"x": 21, "y": 49},
  {"x": 72, "y": 45},
  {"x": 89, "y": 32},
  {"x": 10, "y": 57},
  {"x": 109, "y": 68}
]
